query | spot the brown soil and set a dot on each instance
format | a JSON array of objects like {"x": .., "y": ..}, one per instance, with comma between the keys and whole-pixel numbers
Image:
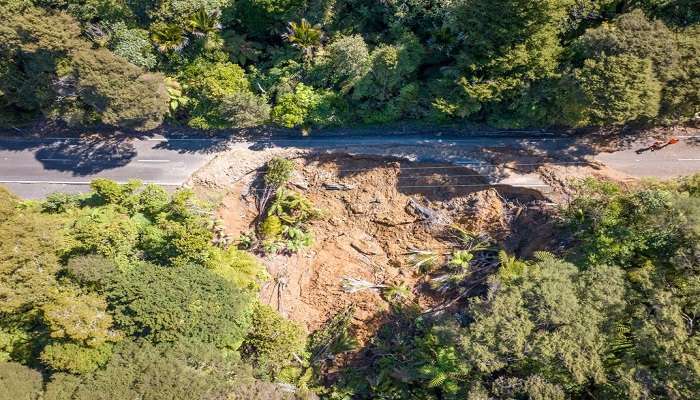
[{"x": 368, "y": 229}]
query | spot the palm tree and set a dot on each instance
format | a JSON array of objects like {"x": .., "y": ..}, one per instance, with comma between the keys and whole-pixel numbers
[
  {"x": 304, "y": 36},
  {"x": 203, "y": 24},
  {"x": 168, "y": 37}
]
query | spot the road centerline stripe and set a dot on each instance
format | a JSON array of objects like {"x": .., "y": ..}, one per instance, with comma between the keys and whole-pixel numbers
[{"x": 153, "y": 161}]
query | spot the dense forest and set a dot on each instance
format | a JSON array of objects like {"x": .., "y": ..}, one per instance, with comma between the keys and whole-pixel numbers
[
  {"x": 127, "y": 293},
  {"x": 214, "y": 64}
]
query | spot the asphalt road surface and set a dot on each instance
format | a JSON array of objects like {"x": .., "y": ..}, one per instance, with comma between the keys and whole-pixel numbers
[{"x": 35, "y": 167}]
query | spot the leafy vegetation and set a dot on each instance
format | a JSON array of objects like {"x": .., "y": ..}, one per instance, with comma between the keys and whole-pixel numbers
[
  {"x": 617, "y": 320},
  {"x": 300, "y": 63},
  {"x": 284, "y": 214},
  {"x": 122, "y": 293}
]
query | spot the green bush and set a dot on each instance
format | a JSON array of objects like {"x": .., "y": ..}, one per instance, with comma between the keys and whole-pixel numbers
[
  {"x": 167, "y": 304},
  {"x": 142, "y": 370},
  {"x": 60, "y": 202},
  {"x": 274, "y": 343},
  {"x": 681, "y": 99},
  {"x": 616, "y": 90},
  {"x": 632, "y": 34},
  {"x": 90, "y": 271},
  {"x": 79, "y": 318},
  {"x": 271, "y": 228},
  {"x": 244, "y": 110},
  {"x": 262, "y": 18},
  {"x": 75, "y": 358},
  {"x": 106, "y": 232},
  {"x": 391, "y": 67},
  {"x": 279, "y": 172},
  {"x": 186, "y": 242},
  {"x": 152, "y": 200},
  {"x": 615, "y": 226},
  {"x": 294, "y": 109},
  {"x": 132, "y": 44},
  {"x": 19, "y": 382},
  {"x": 347, "y": 61},
  {"x": 119, "y": 92},
  {"x": 110, "y": 192},
  {"x": 506, "y": 46},
  {"x": 208, "y": 85}
]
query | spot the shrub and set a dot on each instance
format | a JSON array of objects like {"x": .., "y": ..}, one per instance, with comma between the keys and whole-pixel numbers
[
  {"x": 293, "y": 109},
  {"x": 106, "y": 232},
  {"x": 274, "y": 342},
  {"x": 616, "y": 90},
  {"x": 132, "y": 44},
  {"x": 144, "y": 371},
  {"x": 119, "y": 92},
  {"x": 75, "y": 358},
  {"x": 90, "y": 271},
  {"x": 503, "y": 48},
  {"x": 239, "y": 268},
  {"x": 80, "y": 318},
  {"x": 348, "y": 61},
  {"x": 167, "y": 304},
  {"x": 623, "y": 228},
  {"x": 110, "y": 192},
  {"x": 271, "y": 228},
  {"x": 261, "y": 18},
  {"x": 292, "y": 208},
  {"x": 285, "y": 225},
  {"x": 179, "y": 10},
  {"x": 152, "y": 200},
  {"x": 279, "y": 172},
  {"x": 60, "y": 202},
  {"x": 186, "y": 242},
  {"x": 208, "y": 84},
  {"x": 381, "y": 91},
  {"x": 681, "y": 99},
  {"x": 244, "y": 110},
  {"x": 19, "y": 382},
  {"x": 632, "y": 34}
]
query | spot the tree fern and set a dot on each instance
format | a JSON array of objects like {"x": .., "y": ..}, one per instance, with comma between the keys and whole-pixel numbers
[{"x": 544, "y": 256}]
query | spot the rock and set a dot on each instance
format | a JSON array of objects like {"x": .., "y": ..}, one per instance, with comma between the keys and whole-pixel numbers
[
  {"x": 367, "y": 248},
  {"x": 483, "y": 211},
  {"x": 337, "y": 186},
  {"x": 299, "y": 181},
  {"x": 365, "y": 244}
]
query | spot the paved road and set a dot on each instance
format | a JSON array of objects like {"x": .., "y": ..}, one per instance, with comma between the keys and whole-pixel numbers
[{"x": 33, "y": 168}]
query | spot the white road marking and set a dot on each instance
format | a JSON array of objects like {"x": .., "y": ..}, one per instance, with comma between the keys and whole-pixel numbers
[
  {"x": 77, "y": 183},
  {"x": 183, "y": 139},
  {"x": 473, "y": 185},
  {"x": 689, "y": 159}
]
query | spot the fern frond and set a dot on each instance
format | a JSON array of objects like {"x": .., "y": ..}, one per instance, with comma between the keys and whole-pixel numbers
[{"x": 437, "y": 380}]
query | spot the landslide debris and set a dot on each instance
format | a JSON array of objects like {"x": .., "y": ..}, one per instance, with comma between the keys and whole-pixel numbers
[{"x": 377, "y": 214}]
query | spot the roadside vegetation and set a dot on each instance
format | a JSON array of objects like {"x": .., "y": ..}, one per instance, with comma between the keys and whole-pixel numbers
[
  {"x": 123, "y": 293},
  {"x": 614, "y": 315},
  {"x": 215, "y": 64},
  {"x": 128, "y": 292}
]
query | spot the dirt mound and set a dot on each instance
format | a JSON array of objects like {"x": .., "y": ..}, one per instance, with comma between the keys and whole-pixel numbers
[{"x": 375, "y": 212}]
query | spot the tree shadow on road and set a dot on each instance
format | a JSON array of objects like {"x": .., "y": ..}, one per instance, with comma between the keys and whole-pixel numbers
[
  {"x": 193, "y": 141},
  {"x": 81, "y": 155},
  {"x": 200, "y": 146},
  {"x": 86, "y": 156}
]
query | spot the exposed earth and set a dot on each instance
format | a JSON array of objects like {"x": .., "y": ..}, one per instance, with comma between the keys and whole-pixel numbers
[{"x": 374, "y": 222}]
